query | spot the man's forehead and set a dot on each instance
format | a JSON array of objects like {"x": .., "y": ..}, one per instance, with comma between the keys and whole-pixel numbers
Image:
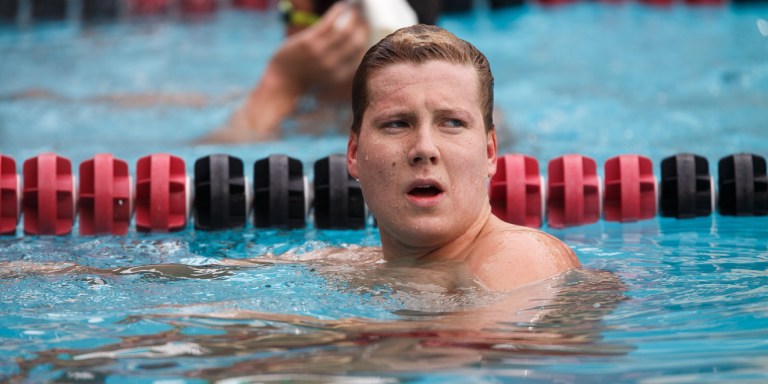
[
  {"x": 405, "y": 72},
  {"x": 444, "y": 75},
  {"x": 428, "y": 65}
]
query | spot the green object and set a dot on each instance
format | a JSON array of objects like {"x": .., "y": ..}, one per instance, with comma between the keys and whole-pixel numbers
[{"x": 292, "y": 16}]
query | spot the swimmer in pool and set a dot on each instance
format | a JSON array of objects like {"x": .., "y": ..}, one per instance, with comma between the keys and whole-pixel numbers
[
  {"x": 316, "y": 61},
  {"x": 307, "y": 79},
  {"x": 423, "y": 146},
  {"x": 318, "y": 57},
  {"x": 314, "y": 66}
]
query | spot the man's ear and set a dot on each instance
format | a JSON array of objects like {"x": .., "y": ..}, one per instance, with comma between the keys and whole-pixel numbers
[
  {"x": 352, "y": 155},
  {"x": 492, "y": 149}
]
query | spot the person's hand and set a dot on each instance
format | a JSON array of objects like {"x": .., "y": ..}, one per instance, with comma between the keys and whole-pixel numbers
[
  {"x": 323, "y": 56},
  {"x": 321, "y": 59}
]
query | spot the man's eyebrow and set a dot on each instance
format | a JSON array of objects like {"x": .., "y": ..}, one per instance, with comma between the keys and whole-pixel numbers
[
  {"x": 393, "y": 114},
  {"x": 458, "y": 112}
]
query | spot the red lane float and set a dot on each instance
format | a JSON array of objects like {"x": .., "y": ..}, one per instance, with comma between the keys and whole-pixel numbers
[
  {"x": 555, "y": 2},
  {"x": 10, "y": 197},
  {"x": 573, "y": 191},
  {"x": 198, "y": 7},
  {"x": 162, "y": 194},
  {"x": 516, "y": 191},
  {"x": 105, "y": 196},
  {"x": 48, "y": 198},
  {"x": 658, "y": 3},
  {"x": 150, "y": 7},
  {"x": 630, "y": 189},
  {"x": 705, "y": 2},
  {"x": 251, "y": 4}
]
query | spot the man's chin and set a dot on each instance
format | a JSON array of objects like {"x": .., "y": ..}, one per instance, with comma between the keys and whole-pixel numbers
[{"x": 430, "y": 231}]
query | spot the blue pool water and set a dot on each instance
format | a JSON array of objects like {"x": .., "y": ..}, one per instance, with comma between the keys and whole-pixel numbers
[{"x": 661, "y": 300}]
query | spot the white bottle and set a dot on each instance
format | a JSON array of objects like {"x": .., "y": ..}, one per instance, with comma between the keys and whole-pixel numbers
[{"x": 386, "y": 16}]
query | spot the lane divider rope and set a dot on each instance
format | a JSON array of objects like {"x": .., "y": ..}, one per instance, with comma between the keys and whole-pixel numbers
[{"x": 219, "y": 195}]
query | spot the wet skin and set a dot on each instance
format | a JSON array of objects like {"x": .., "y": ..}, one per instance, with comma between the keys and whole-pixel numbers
[{"x": 423, "y": 157}]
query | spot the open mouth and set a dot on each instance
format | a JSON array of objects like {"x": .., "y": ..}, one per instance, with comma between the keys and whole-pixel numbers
[{"x": 425, "y": 191}]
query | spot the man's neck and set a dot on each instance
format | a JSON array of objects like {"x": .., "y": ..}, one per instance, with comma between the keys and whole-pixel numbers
[{"x": 458, "y": 249}]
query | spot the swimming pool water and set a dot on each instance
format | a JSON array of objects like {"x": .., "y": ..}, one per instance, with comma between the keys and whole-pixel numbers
[{"x": 595, "y": 79}]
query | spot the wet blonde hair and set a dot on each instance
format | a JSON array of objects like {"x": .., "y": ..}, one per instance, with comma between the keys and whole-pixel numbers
[{"x": 418, "y": 44}]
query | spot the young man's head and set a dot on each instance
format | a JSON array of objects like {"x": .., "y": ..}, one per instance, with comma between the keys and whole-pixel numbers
[
  {"x": 419, "y": 44},
  {"x": 423, "y": 144}
]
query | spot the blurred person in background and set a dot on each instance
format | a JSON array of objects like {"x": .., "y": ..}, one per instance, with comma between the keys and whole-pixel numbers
[{"x": 309, "y": 77}]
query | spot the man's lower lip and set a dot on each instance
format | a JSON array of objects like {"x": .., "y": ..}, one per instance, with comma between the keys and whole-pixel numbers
[{"x": 425, "y": 201}]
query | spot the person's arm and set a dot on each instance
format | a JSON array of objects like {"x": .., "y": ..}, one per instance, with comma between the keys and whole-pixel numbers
[
  {"x": 259, "y": 117},
  {"x": 19, "y": 268},
  {"x": 316, "y": 59},
  {"x": 221, "y": 268}
]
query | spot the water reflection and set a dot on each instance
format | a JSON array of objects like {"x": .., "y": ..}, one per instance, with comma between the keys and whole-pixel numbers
[{"x": 216, "y": 341}]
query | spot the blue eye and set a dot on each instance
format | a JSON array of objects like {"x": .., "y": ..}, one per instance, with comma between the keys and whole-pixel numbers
[
  {"x": 395, "y": 124},
  {"x": 454, "y": 123}
]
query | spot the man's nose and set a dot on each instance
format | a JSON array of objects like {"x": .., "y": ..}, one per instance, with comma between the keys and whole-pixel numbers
[{"x": 424, "y": 149}]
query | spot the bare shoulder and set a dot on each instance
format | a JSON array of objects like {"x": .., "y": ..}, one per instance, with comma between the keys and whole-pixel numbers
[
  {"x": 511, "y": 256},
  {"x": 539, "y": 243}
]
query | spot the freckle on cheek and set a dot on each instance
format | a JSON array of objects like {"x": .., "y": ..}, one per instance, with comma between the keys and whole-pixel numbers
[{"x": 393, "y": 164}]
